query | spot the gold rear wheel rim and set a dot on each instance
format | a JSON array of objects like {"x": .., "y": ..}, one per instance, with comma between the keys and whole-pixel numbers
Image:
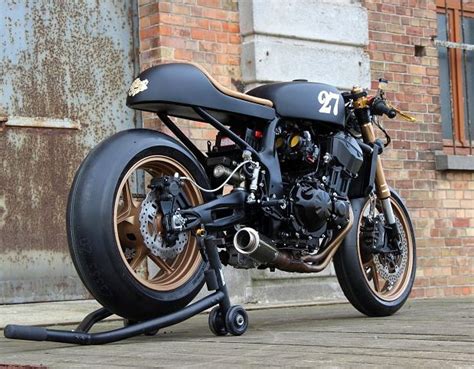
[
  {"x": 375, "y": 282},
  {"x": 152, "y": 271}
]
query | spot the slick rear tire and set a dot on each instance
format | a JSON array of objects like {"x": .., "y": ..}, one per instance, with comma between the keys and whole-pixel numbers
[
  {"x": 358, "y": 272},
  {"x": 103, "y": 228}
]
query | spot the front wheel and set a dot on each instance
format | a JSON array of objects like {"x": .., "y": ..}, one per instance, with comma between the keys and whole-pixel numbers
[
  {"x": 376, "y": 284},
  {"x": 115, "y": 226}
]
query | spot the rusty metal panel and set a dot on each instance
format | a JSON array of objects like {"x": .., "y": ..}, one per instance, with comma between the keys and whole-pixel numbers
[{"x": 63, "y": 64}]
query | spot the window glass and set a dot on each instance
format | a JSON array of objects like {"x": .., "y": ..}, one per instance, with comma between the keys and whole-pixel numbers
[
  {"x": 445, "y": 93},
  {"x": 469, "y": 81}
]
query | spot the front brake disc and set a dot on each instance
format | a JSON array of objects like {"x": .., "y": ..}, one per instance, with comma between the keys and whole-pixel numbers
[{"x": 391, "y": 270}]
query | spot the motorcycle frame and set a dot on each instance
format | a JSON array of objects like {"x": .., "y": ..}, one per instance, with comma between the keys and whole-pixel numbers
[
  {"x": 267, "y": 156},
  {"x": 371, "y": 175},
  {"x": 235, "y": 200}
]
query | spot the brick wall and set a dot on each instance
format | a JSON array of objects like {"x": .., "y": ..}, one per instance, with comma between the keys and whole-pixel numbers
[
  {"x": 203, "y": 31},
  {"x": 441, "y": 203}
]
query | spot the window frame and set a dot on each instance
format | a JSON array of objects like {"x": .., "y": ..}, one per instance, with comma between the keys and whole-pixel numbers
[{"x": 455, "y": 56}]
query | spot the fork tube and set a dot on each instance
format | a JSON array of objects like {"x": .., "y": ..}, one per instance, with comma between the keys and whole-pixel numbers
[
  {"x": 383, "y": 191},
  {"x": 381, "y": 186},
  {"x": 362, "y": 112}
]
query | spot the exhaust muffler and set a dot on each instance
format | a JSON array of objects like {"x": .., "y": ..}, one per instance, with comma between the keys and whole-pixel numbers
[{"x": 249, "y": 242}]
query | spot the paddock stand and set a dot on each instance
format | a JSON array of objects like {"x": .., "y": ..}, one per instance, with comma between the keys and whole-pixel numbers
[{"x": 223, "y": 318}]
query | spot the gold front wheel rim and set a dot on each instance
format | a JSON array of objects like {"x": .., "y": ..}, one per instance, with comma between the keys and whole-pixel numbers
[
  {"x": 376, "y": 283},
  {"x": 150, "y": 270}
]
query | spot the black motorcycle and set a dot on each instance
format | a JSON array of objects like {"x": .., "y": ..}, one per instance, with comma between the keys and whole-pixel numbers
[{"x": 293, "y": 180}]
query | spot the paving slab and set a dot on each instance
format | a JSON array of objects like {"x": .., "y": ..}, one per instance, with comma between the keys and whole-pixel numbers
[
  {"x": 436, "y": 333},
  {"x": 61, "y": 312}
]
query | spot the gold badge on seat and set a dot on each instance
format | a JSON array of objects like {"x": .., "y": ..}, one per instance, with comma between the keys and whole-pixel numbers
[{"x": 138, "y": 86}]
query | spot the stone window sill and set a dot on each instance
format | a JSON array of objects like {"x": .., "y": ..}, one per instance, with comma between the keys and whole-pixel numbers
[{"x": 454, "y": 162}]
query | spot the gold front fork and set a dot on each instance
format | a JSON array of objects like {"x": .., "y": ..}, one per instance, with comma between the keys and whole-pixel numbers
[
  {"x": 381, "y": 186},
  {"x": 361, "y": 108}
]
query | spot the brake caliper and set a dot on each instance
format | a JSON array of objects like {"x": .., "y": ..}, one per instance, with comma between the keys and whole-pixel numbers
[
  {"x": 373, "y": 234},
  {"x": 157, "y": 214}
]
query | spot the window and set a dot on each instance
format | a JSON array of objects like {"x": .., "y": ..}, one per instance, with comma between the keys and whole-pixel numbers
[{"x": 455, "y": 20}]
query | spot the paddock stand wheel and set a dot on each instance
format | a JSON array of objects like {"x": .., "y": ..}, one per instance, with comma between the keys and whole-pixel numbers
[
  {"x": 216, "y": 322},
  {"x": 224, "y": 318},
  {"x": 236, "y": 320}
]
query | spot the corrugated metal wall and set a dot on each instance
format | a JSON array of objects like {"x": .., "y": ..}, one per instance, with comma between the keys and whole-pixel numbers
[{"x": 67, "y": 65}]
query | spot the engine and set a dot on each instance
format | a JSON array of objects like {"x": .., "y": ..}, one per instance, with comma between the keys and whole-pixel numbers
[
  {"x": 317, "y": 172},
  {"x": 317, "y": 169}
]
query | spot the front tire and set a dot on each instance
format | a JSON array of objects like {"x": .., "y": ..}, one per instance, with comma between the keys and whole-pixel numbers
[
  {"x": 104, "y": 229},
  {"x": 361, "y": 273}
]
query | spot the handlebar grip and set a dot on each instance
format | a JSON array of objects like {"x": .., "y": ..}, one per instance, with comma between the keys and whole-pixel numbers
[
  {"x": 379, "y": 107},
  {"x": 23, "y": 332}
]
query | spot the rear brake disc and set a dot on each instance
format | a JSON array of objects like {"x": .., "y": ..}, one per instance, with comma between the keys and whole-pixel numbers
[{"x": 149, "y": 214}]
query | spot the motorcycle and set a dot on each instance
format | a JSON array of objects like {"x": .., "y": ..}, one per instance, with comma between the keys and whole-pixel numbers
[{"x": 293, "y": 180}]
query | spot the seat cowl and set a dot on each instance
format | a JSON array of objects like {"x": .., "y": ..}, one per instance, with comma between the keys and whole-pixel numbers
[
  {"x": 233, "y": 93},
  {"x": 175, "y": 88}
]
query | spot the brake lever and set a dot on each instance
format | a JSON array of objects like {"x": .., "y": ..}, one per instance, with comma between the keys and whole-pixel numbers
[
  {"x": 381, "y": 94},
  {"x": 405, "y": 116}
]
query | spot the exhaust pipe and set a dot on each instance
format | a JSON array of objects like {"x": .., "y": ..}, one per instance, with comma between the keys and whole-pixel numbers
[{"x": 249, "y": 242}]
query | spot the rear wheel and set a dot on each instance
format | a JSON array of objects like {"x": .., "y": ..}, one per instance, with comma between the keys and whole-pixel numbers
[
  {"x": 377, "y": 284},
  {"x": 178, "y": 262},
  {"x": 114, "y": 226}
]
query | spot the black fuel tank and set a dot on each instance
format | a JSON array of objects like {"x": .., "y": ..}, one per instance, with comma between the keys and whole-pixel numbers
[{"x": 316, "y": 102}]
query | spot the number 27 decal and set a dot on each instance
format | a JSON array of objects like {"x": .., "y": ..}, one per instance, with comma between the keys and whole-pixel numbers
[{"x": 327, "y": 99}]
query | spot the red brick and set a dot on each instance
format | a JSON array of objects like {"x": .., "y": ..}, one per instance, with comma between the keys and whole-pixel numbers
[
  {"x": 149, "y": 32},
  {"x": 147, "y": 10},
  {"x": 164, "y": 7},
  {"x": 200, "y": 34},
  {"x": 181, "y": 54},
  {"x": 460, "y": 222},
  {"x": 222, "y": 37},
  {"x": 210, "y": 3},
  {"x": 215, "y": 25},
  {"x": 234, "y": 39},
  {"x": 181, "y": 9},
  {"x": 215, "y": 14},
  {"x": 231, "y": 27},
  {"x": 172, "y": 19},
  {"x": 175, "y": 42},
  {"x": 198, "y": 23}
]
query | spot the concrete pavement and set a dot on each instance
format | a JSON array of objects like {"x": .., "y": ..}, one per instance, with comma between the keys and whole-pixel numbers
[{"x": 424, "y": 334}]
